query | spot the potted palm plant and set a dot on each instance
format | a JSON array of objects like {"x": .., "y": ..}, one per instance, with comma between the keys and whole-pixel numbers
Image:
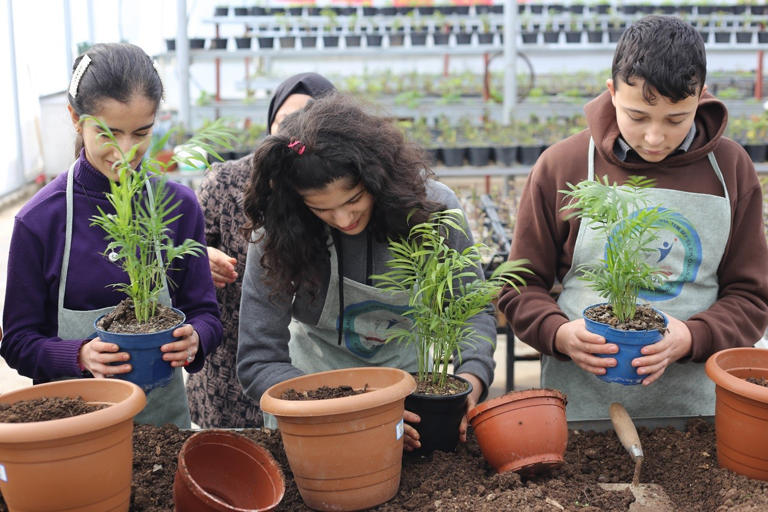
[
  {"x": 140, "y": 241},
  {"x": 444, "y": 294},
  {"x": 622, "y": 215}
]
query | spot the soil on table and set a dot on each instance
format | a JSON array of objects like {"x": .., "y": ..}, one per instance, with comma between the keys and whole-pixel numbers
[
  {"x": 322, "y": 393},
  {"x": 646, "y": 319},
  {"x": 760, "y": 381},
  {"x": 45, "y": 409},
  {"x": 123, "y": 320},
  {"x": 452, "y": 386},
  {"x": 684, "y": 463}
]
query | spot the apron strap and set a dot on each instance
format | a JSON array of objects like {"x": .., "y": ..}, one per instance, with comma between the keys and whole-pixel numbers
[
  {"x": 68, "y": 236},
  {"x": 591, "y": 160}
]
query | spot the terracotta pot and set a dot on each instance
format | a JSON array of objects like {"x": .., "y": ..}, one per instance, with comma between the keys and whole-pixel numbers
[
  {"x": 741, "y": 410},
  {"x": 222, "y": 471},
  {"x": 345, "y": 453},
  {"x": 524, "y": 431},
  {"x": 630, "y": 344},
  {"x": 440, "y": 418},
  {"x": 80, "y": 463}
]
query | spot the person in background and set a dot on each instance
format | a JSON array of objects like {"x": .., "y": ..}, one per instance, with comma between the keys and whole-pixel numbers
[
  {"x": 326, "y": 194},
  {"x": 215, "y": 396},
  {"x": 655, "y": 120},
  {"x": 59, "y": 276}
]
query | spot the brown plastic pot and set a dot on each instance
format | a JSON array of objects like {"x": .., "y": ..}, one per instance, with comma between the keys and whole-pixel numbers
[
  {"x": 741, "y": 410},
  {"x": 345, "y": 453},
  {"x": 80, "y": 463},
  {"x": 221, "y": 471},
  {"x": 523, "y": 431}
]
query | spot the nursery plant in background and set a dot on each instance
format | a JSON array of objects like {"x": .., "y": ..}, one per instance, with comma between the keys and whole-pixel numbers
[
  {"x": 138, "y": 235},
  {"x": 622, "y": 215},
  {"x": 444, "y": 293}
]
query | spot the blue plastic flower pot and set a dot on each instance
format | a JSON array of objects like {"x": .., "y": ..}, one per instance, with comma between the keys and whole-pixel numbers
[
  {"x": 149, "y": 371},
  {"x": 629, "y": 342}
]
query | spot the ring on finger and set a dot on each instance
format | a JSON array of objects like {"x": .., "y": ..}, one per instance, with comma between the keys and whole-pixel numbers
[{"x": 190, "y": 356}]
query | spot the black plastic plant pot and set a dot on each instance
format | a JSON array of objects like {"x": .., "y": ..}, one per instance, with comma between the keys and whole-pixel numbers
[
  {"x": 330, "y": 41},
  {"x": 313, "y": 11},
  {"x": 387, "y": 11},
  {"x": 440, "y": 418},
  {"x": 722, "y": 37},
  {"x": 527, "y": 155},
  {"x": 572, "y": 36},
  {"x": 530, "y": 37},
  {"x": 757, "y": 152},
  {"x": 309, "y": 41},
  {"x": 418, "y": 38},
  {"x": 288, "y": 42},
  {"x": 595, "y": 36},
  {"x": 602, "y": 8},
  {"x": 479, "y": 156},
  {"x": 370, "y": 10},
  {"x": 373, "y": 39},
  {"x": 196, "y": 43},
  {"x": 221, "y": 11},
  {"x": 743, "y": 37},
  {"x": 453, "y": 157},
  {"x": 505, "y": 155},
  {"x": 486, "y": 38},
  {"x": 396, "y": 40},
  {"x": 425, "y": 10},
  {"x": 243, "y": 43},
  {"x": 463, "y": 38},
  {"x": 266, "y": 42},
  {"x": 550, "y": 36},
  {"x": 762, "y": 37},
  {"x": 219, "y": 43},
  {"x": 241, "y": 11},
  {"x": 170, "y": 45},
  {"x": 440, "y": 38},
  {"x": 295, "y": 11},
  {"x": 257, "y": 11},
  {"x": 352, "y": 41}
]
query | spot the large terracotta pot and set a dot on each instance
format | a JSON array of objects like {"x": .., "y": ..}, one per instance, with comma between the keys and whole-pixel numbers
[
  {"x": 345, "y": 453},
  {"x": 524, "y": 431},
  {"x": 741, "y": 410},
  {"x": 81, "y": 463},
  {"x": 222, "y": 471}
]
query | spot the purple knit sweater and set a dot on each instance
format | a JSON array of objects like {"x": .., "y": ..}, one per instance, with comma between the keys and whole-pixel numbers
[{"x": 30, "y": 321}]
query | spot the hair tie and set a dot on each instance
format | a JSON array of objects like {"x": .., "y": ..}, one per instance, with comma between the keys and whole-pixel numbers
[
  {"x": 78, "y": 74},
  {"x": 297, "y": 146}
]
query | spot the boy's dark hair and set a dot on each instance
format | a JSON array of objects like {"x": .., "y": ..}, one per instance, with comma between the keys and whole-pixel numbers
[
  {"x": 332, "y": 138},
  {"x": 117, "y": 71},
  {"x": 664, "y": 51}
]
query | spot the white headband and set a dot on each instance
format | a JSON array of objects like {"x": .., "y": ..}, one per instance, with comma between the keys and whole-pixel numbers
[{"x": 78, "y": 74}]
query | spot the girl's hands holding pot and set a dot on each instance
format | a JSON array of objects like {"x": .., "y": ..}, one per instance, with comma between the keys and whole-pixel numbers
[
  {"x": 411, "y": 441},
  {"x": 675, "y": 345},
  {"x": 183, "y": 351},
  {"x": 575, "y": 341},
  {"x": 96, "y": 355}
]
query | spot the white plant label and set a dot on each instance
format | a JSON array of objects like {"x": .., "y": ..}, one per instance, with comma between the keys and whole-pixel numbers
[
  {"x": 399, "y": 429},
  {"x": 4, "y": 477}
]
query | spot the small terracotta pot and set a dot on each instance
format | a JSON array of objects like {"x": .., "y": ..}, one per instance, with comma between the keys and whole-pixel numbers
[
  {"x": 221, "y": 471},
  {"x": 345, "y": 453},
  {"x": 523, "y": 431},
  {"x": 80, "y": 463},
  {"x": 741, "y": 410}
]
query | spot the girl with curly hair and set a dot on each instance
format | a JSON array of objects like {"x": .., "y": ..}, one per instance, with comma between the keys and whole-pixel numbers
[{"x": 325, "y": 195}]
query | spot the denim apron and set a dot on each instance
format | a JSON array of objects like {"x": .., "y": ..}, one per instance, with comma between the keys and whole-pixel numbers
[
  {"x": 690, "y": 251},
  {"x": 167, "y": 404}
]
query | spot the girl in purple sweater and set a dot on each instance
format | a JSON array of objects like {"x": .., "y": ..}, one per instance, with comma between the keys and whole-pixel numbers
[{"x": 59, "y": 282}]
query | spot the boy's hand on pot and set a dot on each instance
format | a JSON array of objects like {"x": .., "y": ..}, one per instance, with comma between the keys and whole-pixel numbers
[
  {"x": 575, "y": 341},
  {"x": 183, "y": 351},
  {"x": 472, "y": 399},
  {"x": 222, "y": 267},
  {"x": 95, "y": 356},
  {"x": 411, "y": 439},
  {"x": 675, "y": 345}
]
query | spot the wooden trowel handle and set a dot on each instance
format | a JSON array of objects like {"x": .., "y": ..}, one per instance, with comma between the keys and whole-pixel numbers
[{"x": 626, "y": 430}]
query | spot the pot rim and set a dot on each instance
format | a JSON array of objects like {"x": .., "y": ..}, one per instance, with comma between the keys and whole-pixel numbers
[
  {"x": 136, "y": 335},
  {"x": 124, "y": 409},
  {"x": 621, "y": 332},
  {"x": 235, "y": 441},
  {"x": 757, "y": 357},
  {"x": 273, "y": 404},
  {"x": 431, "y": 396},
  {"x": 514, "y": 396}
]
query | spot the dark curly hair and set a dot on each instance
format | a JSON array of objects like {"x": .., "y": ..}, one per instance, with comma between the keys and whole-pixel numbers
[
  {"x": 341, "y": 140},
  {"x": 667, "y": 53}
]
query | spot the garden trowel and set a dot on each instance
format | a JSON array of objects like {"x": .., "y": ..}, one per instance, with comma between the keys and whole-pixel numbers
[{"x": 648, "y": 497}]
